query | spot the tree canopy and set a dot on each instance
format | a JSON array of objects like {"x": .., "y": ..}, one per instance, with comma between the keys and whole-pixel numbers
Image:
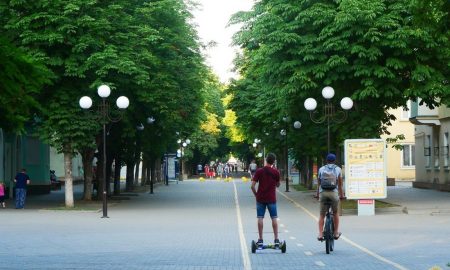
[
  {"x": 375, "y": 52},
  {"x": 22, "y": 77},
  {"x": 147, "y": 51}
]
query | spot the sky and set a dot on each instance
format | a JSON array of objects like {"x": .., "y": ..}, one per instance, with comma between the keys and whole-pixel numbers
[{"x": 212, "y": 18}]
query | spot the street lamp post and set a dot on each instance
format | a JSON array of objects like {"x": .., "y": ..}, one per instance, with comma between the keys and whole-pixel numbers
[
  {"x": 283, "y": 132},
  {"x": 329, "y": 112},
  {"x": 150, "y": 121},
  {"x": 183, "y": 144},
  {"x": 105, "y": 115}
]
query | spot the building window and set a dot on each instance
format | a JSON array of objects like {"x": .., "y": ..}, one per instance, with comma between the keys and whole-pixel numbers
[
  {"x": 445, "y": 150},
  {"x": 427, "y": 151},
  {"x": 408, "y": 155}
]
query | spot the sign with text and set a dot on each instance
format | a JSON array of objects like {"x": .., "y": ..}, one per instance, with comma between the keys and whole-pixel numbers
[{"x": 365, "y": 169}]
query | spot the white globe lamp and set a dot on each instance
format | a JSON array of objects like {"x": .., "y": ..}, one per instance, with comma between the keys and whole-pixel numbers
[
  {"x": 328, "y": 92},
  {"x": 122, "y": 102},
  {"x": 310, "y": 104},
  {"x": 85, "y": 102},
  {"x": 346, "y": 103},
  {"x": 104, "y": 91},
  {"x": 140, "y": 127}
]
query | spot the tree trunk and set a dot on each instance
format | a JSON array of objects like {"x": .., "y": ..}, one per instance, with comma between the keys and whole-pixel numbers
[
  {"x": 130, "y": 176},
  {"x": 144, "y": 171},
  {"x": 136, "y": 172},
  {"x": 303, "y": 170},
  {"x": 149, "y": 174},
  {"x": 310, "y": 172},
  {"x": 117, "y": 167},
  {"x": 87, "y": 157},
  {"x": 68, "y": 180},
  {"x": 158, "y": 170},
  {"x": 109, "y": 162},
  {"x": 154, "y": 165}
]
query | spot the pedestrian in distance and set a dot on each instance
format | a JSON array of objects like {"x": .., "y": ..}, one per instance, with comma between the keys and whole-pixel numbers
[
  {"x": 220, "y": 169},
  {"x": 2, "y": 195},
  {"x": 252, "y": 168},
  {"x": 226, "y": 170},
  {"x": 268, "y": 180},
  {"x": 22, "y": 180},
  {"x": 329, "y": 189}
]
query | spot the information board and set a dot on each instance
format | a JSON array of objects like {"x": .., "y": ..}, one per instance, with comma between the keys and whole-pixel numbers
[
  {"x": 365, "y": 169},
  {"x": 171, "y": 167}
]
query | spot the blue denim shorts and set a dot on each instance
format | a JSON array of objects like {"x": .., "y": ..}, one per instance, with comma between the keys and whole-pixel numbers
[{"x": 261, "y": 209}]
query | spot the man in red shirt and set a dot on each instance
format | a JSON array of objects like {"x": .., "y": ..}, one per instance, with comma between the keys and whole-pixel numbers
[{"x": 268, "y": 179}]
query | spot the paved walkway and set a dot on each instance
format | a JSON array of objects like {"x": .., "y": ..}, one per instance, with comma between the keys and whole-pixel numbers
[
  {"x": 209, "y": 225},
  {"x": 419, "y": 201}
]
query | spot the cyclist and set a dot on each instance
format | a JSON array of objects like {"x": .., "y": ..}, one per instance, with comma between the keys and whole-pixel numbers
[
  {"x": 329, "y": 188},
  {"x": 268, "y": 179}
]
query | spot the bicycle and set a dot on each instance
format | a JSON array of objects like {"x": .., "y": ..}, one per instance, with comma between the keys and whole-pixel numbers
[{"x": 328, "y": 229}]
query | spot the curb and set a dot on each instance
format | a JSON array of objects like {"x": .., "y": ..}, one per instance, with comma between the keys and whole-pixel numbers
[{"x": 427, "y": 211}]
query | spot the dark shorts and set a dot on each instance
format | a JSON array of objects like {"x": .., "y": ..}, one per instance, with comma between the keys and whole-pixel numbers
[{"x": 261, "y": 209}]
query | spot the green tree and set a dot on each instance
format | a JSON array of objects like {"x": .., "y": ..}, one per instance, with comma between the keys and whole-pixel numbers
[
  {"x": 22, "y": 77},
  {"x": 145, "y": 50},
  {"x": 207, "y": 137},
  {"x": 369, "y": 50}
]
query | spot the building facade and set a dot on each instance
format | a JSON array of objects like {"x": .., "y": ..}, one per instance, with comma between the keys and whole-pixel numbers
[
  {"x": 24, "y": 151},
  {"x": 57, "y": 164},
  {"x": 432, "y": 128},
  {"x": 401, "y": 163}
]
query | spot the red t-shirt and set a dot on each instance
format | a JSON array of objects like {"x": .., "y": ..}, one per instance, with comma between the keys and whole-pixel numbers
[{"x": 268, "y": 179}]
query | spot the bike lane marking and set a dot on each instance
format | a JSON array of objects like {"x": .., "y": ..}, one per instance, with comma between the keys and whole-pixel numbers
[
  {"x": 244, "y": 249},
  {"x": 350, "y": 242},
  {"x": 320, "y": 263}
]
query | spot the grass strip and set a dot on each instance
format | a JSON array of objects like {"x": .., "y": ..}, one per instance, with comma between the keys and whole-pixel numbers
[{"x": 353, "y": 204}]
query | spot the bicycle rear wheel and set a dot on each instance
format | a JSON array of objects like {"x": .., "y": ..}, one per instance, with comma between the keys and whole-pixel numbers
[{"x": 332, "y": 235}]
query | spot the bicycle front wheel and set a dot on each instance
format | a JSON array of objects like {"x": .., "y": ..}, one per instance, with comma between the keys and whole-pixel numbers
[{"x": 328, "y": 234}]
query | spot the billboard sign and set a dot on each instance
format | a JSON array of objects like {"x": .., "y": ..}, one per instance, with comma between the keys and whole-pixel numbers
[{"x": 365, "y": 169}]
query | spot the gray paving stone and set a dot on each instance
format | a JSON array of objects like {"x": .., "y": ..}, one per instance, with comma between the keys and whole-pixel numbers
[{"x": 193, "y": 225}]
